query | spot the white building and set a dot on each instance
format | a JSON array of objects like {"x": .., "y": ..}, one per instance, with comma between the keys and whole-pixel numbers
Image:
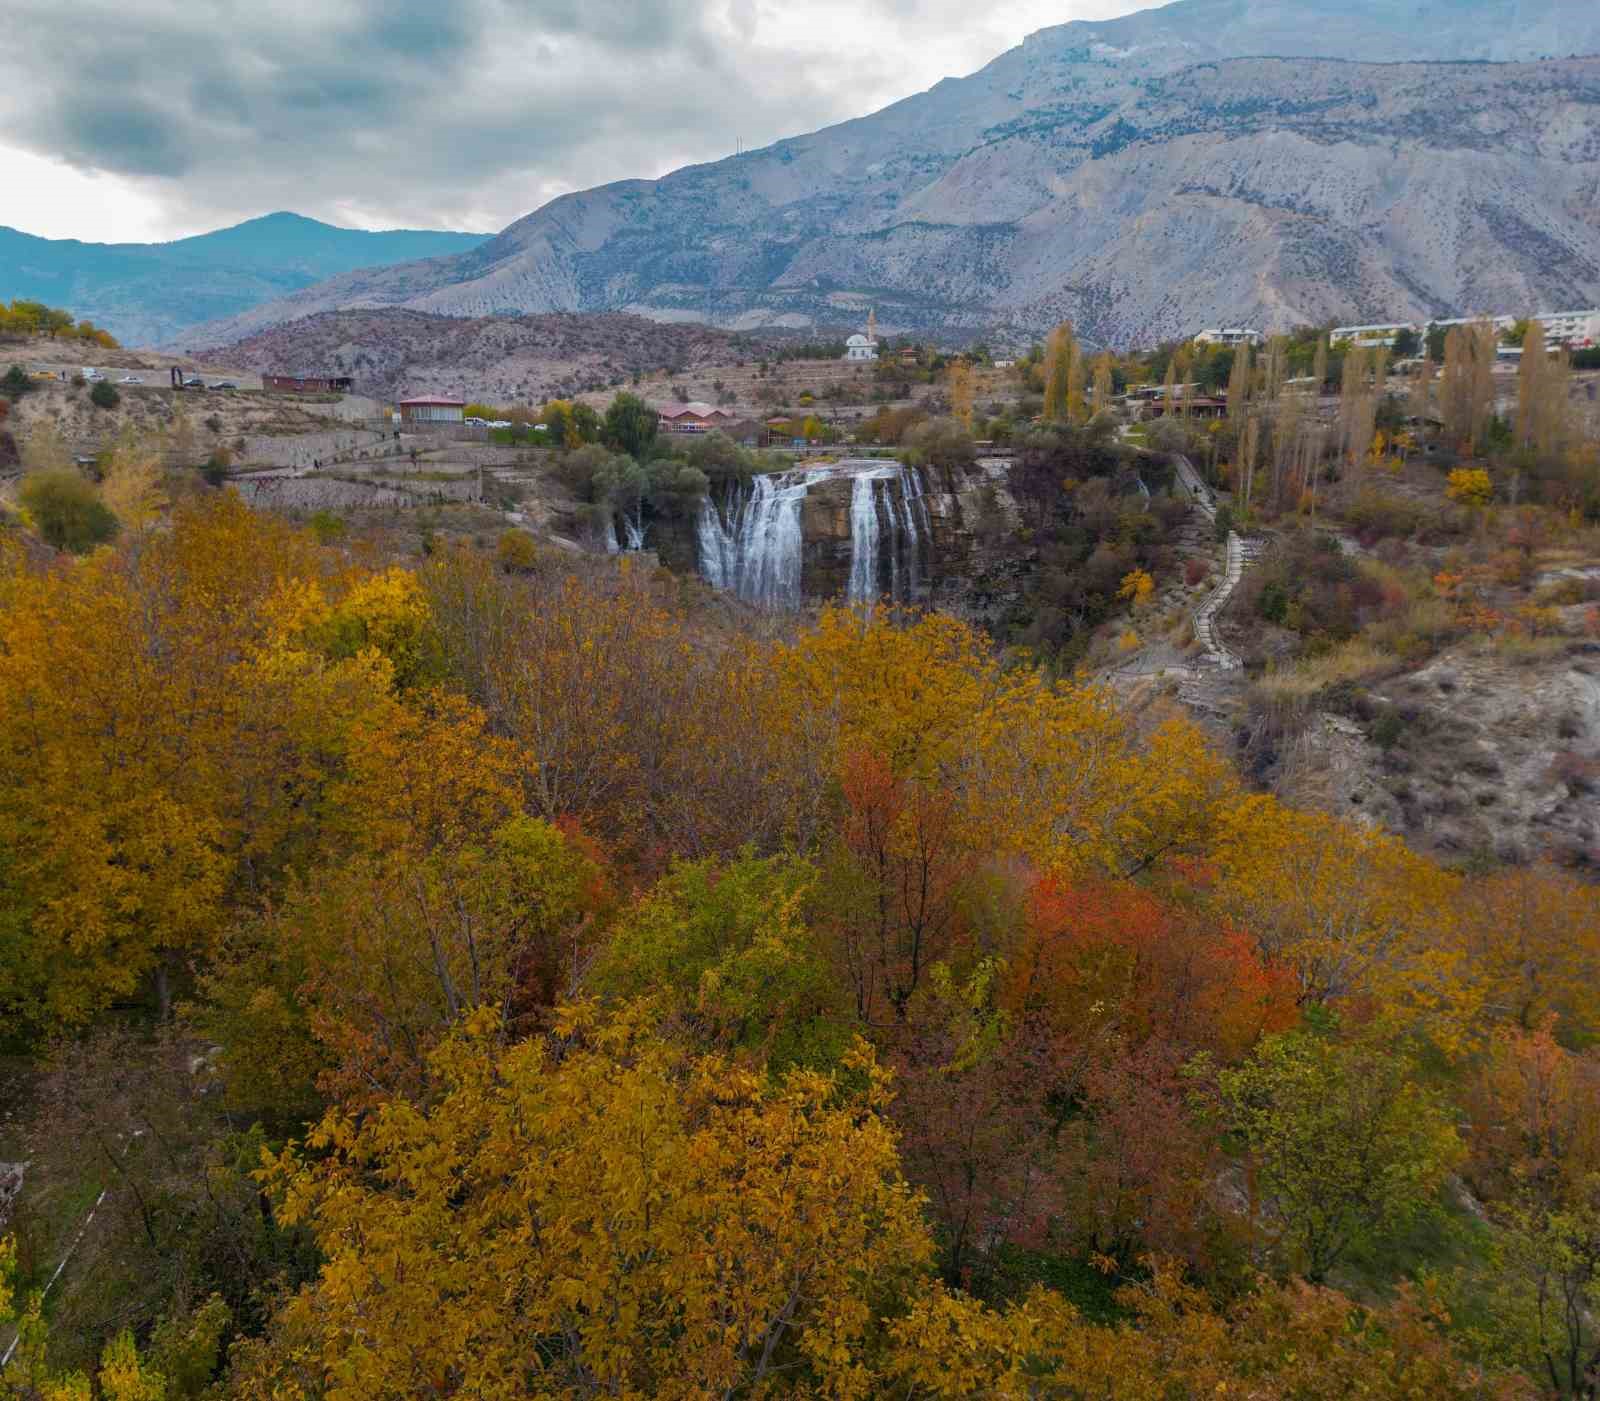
[
  {"x": 864, "y": 347},
  {"x": 1578, "y": 330},
  {"x": 1384, "y": 335},
  {"x": 1231, "y": 335}
]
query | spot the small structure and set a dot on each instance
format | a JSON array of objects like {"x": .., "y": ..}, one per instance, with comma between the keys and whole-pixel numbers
[
  {"x": 431, "y": 410},
  {"x": 1230, "y": 335},
  {"x": 749, "y": 433},
  {"x": 1192, "y": 408},
  {"x": 308, "y": 384},
  {"x": 861, "y": 348},
  {"x": 694, "y": 417}
]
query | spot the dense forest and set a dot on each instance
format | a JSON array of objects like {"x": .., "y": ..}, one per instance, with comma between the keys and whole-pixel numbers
[{"x": 534, "y": 977}]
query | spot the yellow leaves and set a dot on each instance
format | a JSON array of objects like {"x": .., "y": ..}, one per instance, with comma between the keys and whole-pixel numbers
[
  {"x": 1138, "y": 588},
  {"x": 132, "y": 485},
  {"x": 1470, "y": 486},
  {"x": 663, "y": 1225},
  {"x": 1352, "y": 911}
]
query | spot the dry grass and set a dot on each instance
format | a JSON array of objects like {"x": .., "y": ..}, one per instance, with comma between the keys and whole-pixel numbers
[{"x": 1356, "y": 662}]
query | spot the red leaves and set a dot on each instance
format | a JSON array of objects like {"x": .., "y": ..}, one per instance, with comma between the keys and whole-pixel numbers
[{"x": 1098, "y": 955}]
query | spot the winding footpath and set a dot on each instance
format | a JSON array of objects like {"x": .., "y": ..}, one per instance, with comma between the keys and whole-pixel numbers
[{"x": 1241, "y": 553}]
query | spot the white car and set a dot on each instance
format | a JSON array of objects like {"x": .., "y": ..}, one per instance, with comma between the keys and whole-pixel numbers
[
  {"x": 130, "y": 379},
  {"x": 475, "y": 422},
  {"x": 499, "y": 423}
]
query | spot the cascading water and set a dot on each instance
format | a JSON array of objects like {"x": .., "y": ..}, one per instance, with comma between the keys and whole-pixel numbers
[
  {"x": 754, "y": 550},
  {"x": 752, "y": 545},
  {"x": 866, "y": 533},
  {"x": 633, "y": 528}
]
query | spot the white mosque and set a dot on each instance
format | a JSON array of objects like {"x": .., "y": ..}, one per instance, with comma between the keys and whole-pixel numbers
[{"x": 864, "y": 347}]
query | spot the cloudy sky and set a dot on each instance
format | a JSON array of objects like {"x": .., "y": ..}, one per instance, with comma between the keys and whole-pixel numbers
[{"x": 147, "y": 119}]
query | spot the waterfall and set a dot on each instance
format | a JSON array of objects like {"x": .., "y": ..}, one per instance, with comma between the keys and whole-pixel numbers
[
  {"x": 753, "y": 549},
  {"x": 865, "y": 534},
  {"x": 752, "y": 544},
  {"x": 633, "y": 528},
  {"x": 887, "y": 508}
]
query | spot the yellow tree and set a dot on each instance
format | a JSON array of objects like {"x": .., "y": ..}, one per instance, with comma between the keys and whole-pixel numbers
[
  {"x": 1102, "y": 381},
  {"x": 1533, "y": 934},
  {"x": 1353, "y": 913},
  {"x": 132, "y": 485},
  {"x": 961, "y": 391},
  {"x": 1060, "y": 354},
  {"x": 623, "y": 1218}
]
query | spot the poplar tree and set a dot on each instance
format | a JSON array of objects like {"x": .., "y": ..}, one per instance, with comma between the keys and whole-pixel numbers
[
  {"x": 1239, "y": 384},
  {"x": 1076, "y": 410},
  {"x": 1060, "y": 351},
  {"x": 1102, "y": 382}
]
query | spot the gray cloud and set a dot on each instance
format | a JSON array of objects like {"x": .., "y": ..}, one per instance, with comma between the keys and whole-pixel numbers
[{"x": 463, "y": 113}]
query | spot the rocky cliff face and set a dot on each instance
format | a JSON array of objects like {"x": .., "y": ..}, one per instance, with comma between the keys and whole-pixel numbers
[
  {"x": 1144, "y": 176},
  {"x": 936, "y": 536}
]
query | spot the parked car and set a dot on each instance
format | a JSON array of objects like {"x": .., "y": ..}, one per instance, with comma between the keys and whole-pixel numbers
[
  {"x": 476, "y": 422},
  {"x": 224, "y": 384},
  {"x": 499, "y": 423},
  {"x": 194, "y": 382},
  {"x": 130, "y": 379}
]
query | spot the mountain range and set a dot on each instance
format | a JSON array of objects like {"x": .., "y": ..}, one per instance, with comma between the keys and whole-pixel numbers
[
  {"x": 1246, "y": 161},
  {"x": 147, "y": 293}
]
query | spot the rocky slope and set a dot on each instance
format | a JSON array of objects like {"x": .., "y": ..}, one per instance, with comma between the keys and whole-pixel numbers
[
  {"x": 1144, "y": 176},
  {"x": 392, "y": 353},
  {"x": 150, "y": 293}
]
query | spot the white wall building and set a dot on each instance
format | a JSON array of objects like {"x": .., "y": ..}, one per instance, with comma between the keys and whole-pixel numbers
[
  {"x": 859, "y": 347},
  {"x": 1578, "y": 330},
  {"x": 1384, "y": 335},
  {"x": 1230, "y": 335}
]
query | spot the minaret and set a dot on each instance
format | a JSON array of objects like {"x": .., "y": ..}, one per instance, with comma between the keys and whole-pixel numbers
[{"x": 872, "y": 325}]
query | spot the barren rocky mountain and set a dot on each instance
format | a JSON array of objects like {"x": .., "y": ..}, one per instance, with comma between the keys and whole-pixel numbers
[
  {"x": 1144, "y": 175},
  {"x": 392, "y": 353}
]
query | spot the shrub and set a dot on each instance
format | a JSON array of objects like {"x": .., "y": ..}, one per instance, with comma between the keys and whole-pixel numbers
[
  {"x": 16, "y": 382},
  {"x": 1195, "y": 572},
  {"x": 1374, "y": 516},
  {"x": 1388, "y": 728},
  {"x": 327, "y": 527},
  {"x": 67, "y": 510},
  {"x": 104, "y": 395},
  {"x": 516, "y": 552},
  {"x": 1470, "y": 486},
  {"x": 943, "y": 442}
]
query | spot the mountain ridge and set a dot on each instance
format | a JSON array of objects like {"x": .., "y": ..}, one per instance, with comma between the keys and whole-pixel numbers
[
  {"x": 1122, "y": 183},
  {"x": 153, "y": 292}
]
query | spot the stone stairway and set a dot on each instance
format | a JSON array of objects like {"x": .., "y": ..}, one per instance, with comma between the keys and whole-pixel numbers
[{"x": 1241, "y": 554}]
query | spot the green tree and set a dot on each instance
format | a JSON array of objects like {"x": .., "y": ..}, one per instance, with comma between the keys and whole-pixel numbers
[
  {"x": 16, "y": 382},
  {"x": 67, "y": 510},
  {"x": 1342, "y": 1142},
  {"x": 630, "y": 425},
  {"x": 726, "y": 947},
  {"x": 104, "y": 395}
]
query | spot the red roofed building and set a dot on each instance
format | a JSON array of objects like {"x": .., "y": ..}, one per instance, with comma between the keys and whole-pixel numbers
[
  {"x": 429, "y": 410},
  {"x": 691, "y": 418}
]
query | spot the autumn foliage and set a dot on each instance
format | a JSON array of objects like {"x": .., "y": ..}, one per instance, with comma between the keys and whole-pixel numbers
[{"x": 625, "y": 997}]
